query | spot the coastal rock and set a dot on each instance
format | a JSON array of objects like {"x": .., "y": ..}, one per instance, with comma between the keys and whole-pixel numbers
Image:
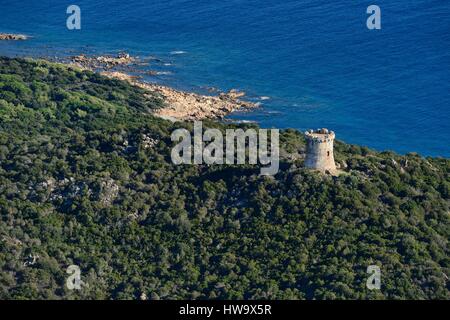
[
  {"x": 101, "y": 62},
  {"x": 192, "y": 106},
  {"x": 10, "y": 36},
  {"x": 119, "y": 76},
  {"x": 187, "y": 105},
  {"x": 232, "y": 94}
]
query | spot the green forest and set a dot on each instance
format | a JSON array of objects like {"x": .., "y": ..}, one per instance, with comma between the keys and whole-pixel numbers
[{"x": 86, "y": 179}]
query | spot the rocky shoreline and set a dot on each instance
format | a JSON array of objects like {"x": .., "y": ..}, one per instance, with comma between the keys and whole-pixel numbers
[
  {"x": 181, "y": 105},
  {"x": 15, "y": 37}
]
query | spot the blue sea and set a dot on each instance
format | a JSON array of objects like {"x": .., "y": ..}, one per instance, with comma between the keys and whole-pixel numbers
[{"x": 309, "y": 63}]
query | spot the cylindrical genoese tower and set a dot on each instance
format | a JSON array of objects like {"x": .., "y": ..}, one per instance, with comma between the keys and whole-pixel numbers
[{"x": 319, "y": 150}]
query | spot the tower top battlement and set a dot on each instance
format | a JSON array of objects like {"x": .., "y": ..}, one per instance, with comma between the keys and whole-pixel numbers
[{"x": 320, "y": 135}]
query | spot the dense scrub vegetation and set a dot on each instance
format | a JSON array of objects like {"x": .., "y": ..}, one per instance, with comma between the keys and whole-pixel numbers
[{"x": 86, "y": 179}]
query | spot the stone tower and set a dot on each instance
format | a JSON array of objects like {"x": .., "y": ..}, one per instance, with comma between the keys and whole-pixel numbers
[{"x": 319, "y": 150}]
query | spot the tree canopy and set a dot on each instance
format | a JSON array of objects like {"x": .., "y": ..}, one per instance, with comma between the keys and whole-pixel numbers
[{"x": 80, "y": 185}]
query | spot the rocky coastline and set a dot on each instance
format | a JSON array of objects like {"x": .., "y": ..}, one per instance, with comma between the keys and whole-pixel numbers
[{"x": 180, "y": 105}]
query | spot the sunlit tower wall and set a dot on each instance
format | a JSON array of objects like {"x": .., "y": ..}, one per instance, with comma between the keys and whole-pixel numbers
[{"x": 319, "y": 150}]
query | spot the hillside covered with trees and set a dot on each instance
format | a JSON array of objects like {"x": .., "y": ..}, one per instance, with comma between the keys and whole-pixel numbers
[{"x": 86, "y": 179}]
